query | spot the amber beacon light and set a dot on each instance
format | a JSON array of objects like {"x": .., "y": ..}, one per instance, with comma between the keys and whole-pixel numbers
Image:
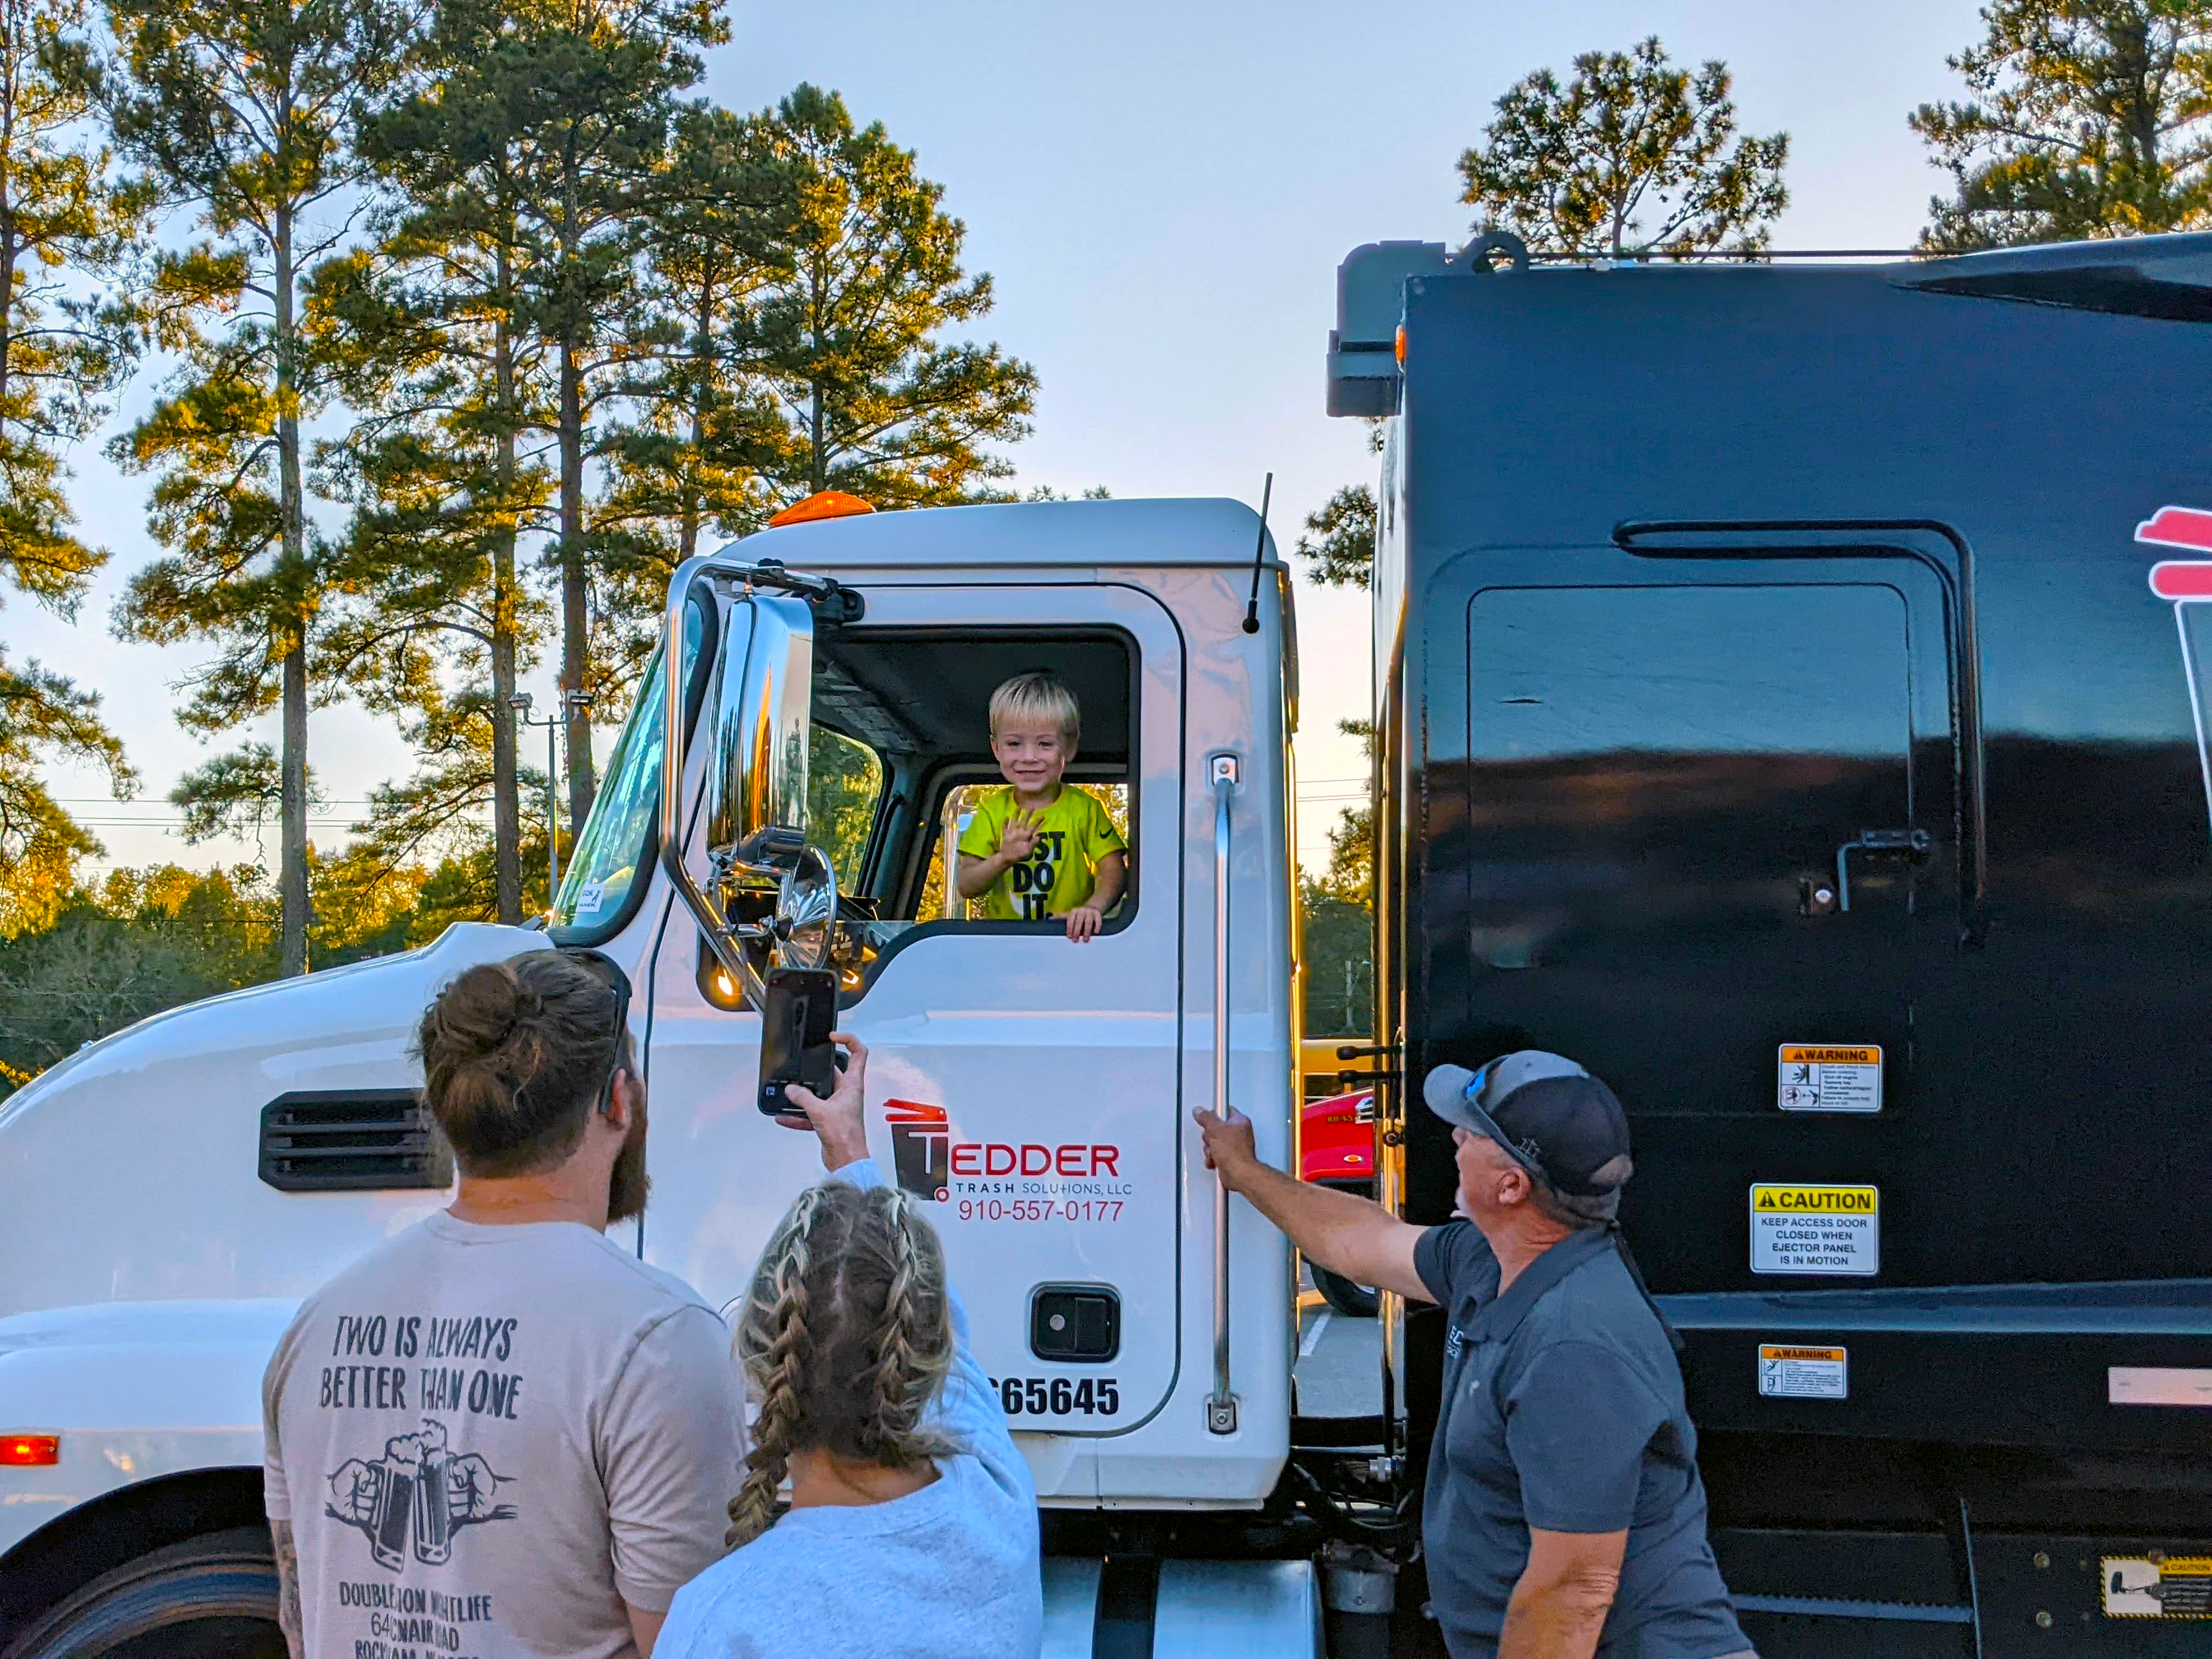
[
  {"x": 30, "y": 1452},
  {"x": 822, "y": 504}
]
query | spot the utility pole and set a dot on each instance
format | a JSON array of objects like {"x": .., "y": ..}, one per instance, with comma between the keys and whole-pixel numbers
[{"x": 574, "y": 702}]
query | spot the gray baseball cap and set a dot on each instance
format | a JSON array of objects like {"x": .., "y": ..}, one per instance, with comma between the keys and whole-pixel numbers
[{"x": 1549, "y": 1113}]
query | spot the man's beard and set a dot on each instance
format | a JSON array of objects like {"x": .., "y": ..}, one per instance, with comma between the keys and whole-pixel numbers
[{"x": 627, "y": 1184}]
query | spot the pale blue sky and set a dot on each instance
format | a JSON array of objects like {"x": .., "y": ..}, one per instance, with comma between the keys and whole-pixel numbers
[{"x": 1161, "y": 194}]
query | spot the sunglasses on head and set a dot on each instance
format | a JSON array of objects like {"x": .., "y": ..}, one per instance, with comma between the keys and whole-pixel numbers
[{"x": 607, "y": 972}]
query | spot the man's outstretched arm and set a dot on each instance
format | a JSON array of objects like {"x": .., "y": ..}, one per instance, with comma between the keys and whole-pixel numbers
[{"x": 1362, "y": 1241}]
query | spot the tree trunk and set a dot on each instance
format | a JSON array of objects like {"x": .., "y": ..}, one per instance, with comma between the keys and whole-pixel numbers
[
  {"x": 295, "y": 606},
  {"x": 505, "y": 802},
  {"x": 9, "y": 247},
  {"x": 575, "y": 617},
  {"x": 817, "y": 464},
  {"x": 694, "y": 483}
]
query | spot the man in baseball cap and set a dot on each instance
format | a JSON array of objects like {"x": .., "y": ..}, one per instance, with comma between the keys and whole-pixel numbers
[{"x": 1563, "y": 1514}]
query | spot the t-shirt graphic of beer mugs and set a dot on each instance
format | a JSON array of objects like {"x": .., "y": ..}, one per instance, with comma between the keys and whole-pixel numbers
[{"x": 418, "y": 1487}]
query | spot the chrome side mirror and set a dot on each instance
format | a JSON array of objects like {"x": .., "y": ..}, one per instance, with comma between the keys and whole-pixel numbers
[
  {"x": 756, "y": 770},
  {"x": 755, "y": 796}
]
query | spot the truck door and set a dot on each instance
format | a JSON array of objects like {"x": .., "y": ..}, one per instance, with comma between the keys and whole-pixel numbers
[
  {"x": 1707, "y": 841},
  {"x": 1024, "y": 1089}
]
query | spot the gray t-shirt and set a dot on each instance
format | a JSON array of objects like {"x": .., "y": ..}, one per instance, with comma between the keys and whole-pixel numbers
[
  {"x": 1562, "y": 1409},
  {"x": 488, "y": 1439},
  {"x": 947, "y": 1572}
]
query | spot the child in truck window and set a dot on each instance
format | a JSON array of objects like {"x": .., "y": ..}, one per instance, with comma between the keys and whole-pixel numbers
[{"x": 1040, "y": 847}]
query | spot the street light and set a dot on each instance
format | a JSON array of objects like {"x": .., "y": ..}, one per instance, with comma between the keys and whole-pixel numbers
[{"x": 572, "y": 701}]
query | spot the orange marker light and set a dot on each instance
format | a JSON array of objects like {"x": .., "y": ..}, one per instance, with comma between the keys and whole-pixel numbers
[
  {"x": 30, "y": 1452},
  {"x": 822, "y": 504},
  {"x": 1398, "y": 345}
]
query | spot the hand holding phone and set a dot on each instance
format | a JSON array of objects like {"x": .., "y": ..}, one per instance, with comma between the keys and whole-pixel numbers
[
  {"x": 842, "y": 1119},
  {"x": 796, "y": 1017}
]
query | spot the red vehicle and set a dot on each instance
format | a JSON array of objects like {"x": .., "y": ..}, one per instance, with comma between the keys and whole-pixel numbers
[{"x": 1336, "y": 1148}]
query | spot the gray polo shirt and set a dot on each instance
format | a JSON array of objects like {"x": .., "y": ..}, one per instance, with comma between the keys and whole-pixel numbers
[{"x": 1562, "y": 1409}]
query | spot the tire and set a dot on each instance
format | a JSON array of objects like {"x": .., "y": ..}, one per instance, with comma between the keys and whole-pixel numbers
[
  {"x": 210, "y": 1597},
  {"x": 1352, "y": 1301}
]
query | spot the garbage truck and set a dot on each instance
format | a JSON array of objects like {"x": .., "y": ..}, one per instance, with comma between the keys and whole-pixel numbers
[{"x": 1789, "y": 689}]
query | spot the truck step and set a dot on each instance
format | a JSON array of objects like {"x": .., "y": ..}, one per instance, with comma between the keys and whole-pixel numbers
[{"x": 1144, "y": 1607}]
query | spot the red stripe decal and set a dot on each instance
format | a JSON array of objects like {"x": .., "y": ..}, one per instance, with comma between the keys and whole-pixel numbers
[
  {"x": 2180, "y": 580},
  {"x": 2178, "y": 526}
]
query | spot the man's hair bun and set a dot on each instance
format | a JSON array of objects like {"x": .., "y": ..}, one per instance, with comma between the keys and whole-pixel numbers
[{"x": 514, "y": 1055}]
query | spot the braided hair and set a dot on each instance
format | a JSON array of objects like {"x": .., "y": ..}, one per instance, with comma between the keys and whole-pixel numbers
[{"x": 846, "y": 1337}]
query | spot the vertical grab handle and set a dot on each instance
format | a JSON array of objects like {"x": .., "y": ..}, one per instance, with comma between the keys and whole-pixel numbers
[{"x": 1221, "y": 1404}]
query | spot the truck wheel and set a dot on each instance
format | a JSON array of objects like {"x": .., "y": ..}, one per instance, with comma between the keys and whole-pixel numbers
[
  {"x": 211, "y": 1597},
  {"x": 1353, "y": 1301}
]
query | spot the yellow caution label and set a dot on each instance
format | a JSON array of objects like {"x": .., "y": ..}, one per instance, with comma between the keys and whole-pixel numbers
[
  {"x": 1802, "y": 1229},
  {"x": 1817, "y": 1200},
  {"x": 1775, "y": 1350},
  {"x": 2139, "y": 1587},
  {"x": 1802, "y": 1057}
]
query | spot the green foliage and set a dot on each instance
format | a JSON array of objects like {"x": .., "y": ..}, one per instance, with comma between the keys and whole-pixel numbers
[
  {"x": 143, "y": 941},
  {"x": 1338, "y": 936},
  {"x": 873, "y": 400},
  {"x": 844, "y": 785},
  {"x": 2086, "y": 118},
  {"x": 719, "y": 233},
  {"x": 1338, "y": 920},
  {"x": 1338, "y": 539},
  {"x": 62, "y": 219},
  {"x": 234, "y": 794},
  {"x": 243, "y": 112},
  {"x": 1631, "y": 155}
]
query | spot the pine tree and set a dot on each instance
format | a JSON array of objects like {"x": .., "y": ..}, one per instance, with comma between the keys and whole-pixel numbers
[
  {"x": 243, "y": 112},
  {"x": 443, "y": 465},
  {"x": 1631, "y": 155},
  {"x": 718, "y": 235},
  {"x": 589, "y": 86},
  {"x": 2087, "y": 118},
  {"x": 875, "y": 402},
  {"x": 64, "y": 219}
]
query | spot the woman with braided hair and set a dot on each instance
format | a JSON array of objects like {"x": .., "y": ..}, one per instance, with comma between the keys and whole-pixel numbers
[{"x": 912, "y": 1528}]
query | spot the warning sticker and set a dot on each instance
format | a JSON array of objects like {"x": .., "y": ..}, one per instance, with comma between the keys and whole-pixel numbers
[
  {"x": 1815, "y": 1229},
  {"x": 1828, "y": 1078},
  {"x": 2174, "y": 1587},
  {"x": 1803, "y": 1373}
]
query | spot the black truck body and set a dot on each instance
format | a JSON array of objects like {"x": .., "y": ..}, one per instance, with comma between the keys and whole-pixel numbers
[{"x": 1767, "y": 661}]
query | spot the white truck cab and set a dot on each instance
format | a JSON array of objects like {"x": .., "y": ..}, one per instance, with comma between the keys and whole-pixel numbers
[{"x": 788, "y": 791}]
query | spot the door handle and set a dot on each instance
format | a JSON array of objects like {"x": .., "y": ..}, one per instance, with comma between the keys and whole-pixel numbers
[
  {"x": 1221, "y": 1404},
  {"x": 1909, "y": 845}
]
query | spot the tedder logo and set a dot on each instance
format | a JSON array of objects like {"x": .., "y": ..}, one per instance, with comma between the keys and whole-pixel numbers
[
  {"x": 2186, "y": 585},
  {"x": 925, "y": 1157},
  {"x": 922, "y": 1147}
]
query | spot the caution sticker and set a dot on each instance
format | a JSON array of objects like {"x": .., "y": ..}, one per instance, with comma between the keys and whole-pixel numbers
[
  {"x": 2171, "y": 1587},
  {"x": 1811, "y": 1076},
  {"x": 1786, "y": 1373},
  {"x": 1815, "y": 1229}
]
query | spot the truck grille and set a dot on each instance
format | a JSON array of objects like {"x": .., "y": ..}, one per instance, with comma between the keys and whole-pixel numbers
[{"x": 325, "y": 1140}]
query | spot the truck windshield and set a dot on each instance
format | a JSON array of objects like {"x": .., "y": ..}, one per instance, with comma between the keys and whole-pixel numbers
[{"x": 611, "y": 856}]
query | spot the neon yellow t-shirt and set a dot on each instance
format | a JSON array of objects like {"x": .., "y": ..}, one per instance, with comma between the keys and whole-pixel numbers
[{"x": 1073, "y": 834}]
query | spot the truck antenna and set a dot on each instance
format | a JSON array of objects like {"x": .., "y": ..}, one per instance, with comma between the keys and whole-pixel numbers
[{"x": 1259, "y": 558}]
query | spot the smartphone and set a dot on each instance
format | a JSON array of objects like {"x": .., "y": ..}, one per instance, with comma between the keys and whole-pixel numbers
[{"x": 797, "y": 1017}]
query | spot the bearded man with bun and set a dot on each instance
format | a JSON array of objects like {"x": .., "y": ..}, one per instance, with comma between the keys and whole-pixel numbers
[{"x": 500, "y": 1432}]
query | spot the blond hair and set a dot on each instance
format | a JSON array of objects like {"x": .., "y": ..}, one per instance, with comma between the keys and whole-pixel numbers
[
  {"x": 846, "y": 1338},
  {"x": 1038, "y": 693}
]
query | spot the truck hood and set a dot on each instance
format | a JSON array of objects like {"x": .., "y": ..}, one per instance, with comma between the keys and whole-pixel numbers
[{"x": 129, "y": 1171}]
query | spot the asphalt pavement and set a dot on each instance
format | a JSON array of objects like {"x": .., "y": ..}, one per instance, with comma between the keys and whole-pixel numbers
[{"x": 1339, "y": 1365}]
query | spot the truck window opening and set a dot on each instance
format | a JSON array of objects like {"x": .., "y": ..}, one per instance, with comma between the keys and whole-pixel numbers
[{"x": 901, "y": 749}]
